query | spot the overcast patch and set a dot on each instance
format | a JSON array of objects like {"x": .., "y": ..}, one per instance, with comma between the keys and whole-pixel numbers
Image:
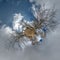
[{"x": 48, "y": 51}]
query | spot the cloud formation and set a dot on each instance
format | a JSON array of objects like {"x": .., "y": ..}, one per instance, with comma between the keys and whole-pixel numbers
[
  {"x": 16, "y": 21},
  {"x": 49, "y": 50}
]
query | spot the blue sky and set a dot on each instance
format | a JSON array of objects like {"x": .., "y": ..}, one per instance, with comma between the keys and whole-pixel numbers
[{"x": 10, "y": 7}]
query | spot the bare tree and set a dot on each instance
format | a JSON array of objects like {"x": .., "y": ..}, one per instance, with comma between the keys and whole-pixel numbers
[{"x": 45, "y": 21}]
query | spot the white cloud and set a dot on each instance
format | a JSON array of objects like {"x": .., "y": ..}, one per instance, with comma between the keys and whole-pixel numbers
[
  {"x": 4, "y": 35},
  {"x": 8, "y": 30},
  {"x": 18, "y": 17},
  {"x": 17, "y": 21}
]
